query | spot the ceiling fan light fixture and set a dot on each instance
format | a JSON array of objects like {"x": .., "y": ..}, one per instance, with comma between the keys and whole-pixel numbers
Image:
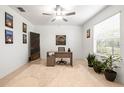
[
  {"x": 60, "y": 13},
  {"x": 59, "y": 17}
]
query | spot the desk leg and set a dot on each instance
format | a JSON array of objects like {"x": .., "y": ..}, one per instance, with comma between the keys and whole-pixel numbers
[{"x": 71, "y": 61}]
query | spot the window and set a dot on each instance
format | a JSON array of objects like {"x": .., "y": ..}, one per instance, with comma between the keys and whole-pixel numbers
[{"x": 107, "y": 36}]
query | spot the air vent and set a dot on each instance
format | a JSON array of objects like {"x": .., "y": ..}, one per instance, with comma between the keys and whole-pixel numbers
[{"x": 20, "y": 9}]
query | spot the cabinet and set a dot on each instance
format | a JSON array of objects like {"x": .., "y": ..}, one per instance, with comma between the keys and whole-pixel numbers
[
  {"x": 34, "y": 46},
  {"x": 50, "y": 59}
]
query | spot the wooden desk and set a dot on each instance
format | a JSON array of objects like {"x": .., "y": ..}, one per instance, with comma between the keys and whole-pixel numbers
[{"x": 65, "y": 55}]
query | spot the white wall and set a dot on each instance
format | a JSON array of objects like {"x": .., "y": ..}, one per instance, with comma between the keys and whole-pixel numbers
[
  {"x": 48, "y": 39},
  {"x": 88, "y": 43},
  {"x": 12, "y": 56}
]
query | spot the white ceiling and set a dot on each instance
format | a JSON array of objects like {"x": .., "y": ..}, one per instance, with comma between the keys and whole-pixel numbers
[{"x": 34, "y": 14}]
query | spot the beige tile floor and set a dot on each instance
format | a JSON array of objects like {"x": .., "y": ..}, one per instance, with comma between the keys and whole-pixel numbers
[{"x": 37, "y": 74}]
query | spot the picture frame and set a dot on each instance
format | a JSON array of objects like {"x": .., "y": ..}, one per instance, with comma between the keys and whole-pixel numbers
[
  {"x": 8, "y": 37},
  {"x": 60, "y": 39},
  {"x": 8, "y": 20},
  {"x": 24, "y": 39},
  {"x": 88, "y": 33},
  {"x": 24, "y": 27}
]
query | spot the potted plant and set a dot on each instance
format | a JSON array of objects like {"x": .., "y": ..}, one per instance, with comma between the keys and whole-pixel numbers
[
  {"x": 103, "y": 67},
  {"x": 90, "y": 59},
  {"x": 97, "y": 66},
  {"x": 109, "y": 72}
]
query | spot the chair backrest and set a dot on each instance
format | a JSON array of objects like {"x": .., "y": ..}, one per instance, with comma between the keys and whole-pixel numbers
[{"x": 61, "y": 49}]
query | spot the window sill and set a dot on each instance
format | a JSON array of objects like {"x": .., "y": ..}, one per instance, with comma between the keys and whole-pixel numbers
[{"x": 100, "y": 56}]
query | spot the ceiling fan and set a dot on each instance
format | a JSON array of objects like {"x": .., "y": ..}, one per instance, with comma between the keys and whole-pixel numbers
[{"x": 59, "y": 13}]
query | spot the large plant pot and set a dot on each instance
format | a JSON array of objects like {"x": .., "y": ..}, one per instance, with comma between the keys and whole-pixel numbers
[
  {"x": 97, "y": 69},
  {"x": 110, "y": 74}
]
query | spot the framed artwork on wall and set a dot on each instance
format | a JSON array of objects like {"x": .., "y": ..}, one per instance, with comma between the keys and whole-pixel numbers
[
  {"x": 24, "y": 39},
  {"x": 8, "y": 37},
  {"x": 24, "y": 27},
  {"x": 8, "y": 20},
  {"x": 88, "y": 33},
  {"x": 60, "y": 39}
]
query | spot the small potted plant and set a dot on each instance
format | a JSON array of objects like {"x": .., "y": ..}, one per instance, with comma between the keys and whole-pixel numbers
[
  {"x": 90, "y": 59},
  {"x": 97, "y": 66},
  {"x": 109, "y": 72}
]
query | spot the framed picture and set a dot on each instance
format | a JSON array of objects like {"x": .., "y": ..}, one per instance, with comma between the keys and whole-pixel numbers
[
  {"x": 60, "y": 39},
  {"x": 88, "y": 33},
  {"x": 8, "y": 20},
  {"x": 8, "y": 37},
  {"x": 24, "y": 39},
  {"x": 24, "y": 27}
]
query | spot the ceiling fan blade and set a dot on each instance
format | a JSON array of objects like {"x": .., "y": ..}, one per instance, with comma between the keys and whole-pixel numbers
[
  {"x": 71, "y": 13},
  {"x": 53, "y": 20},
  {"x": 46, "y": 14},
  {"x": 65, "y": 20}
]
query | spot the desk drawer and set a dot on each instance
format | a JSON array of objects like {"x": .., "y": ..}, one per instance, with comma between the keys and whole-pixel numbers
[{"x": 62, "y": 55}]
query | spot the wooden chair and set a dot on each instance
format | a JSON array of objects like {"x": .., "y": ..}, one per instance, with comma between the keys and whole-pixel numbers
[{"x": 61, "y": 49}]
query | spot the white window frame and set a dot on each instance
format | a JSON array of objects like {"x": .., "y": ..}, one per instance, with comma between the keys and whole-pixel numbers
[{"x": 94, "y": 43}]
